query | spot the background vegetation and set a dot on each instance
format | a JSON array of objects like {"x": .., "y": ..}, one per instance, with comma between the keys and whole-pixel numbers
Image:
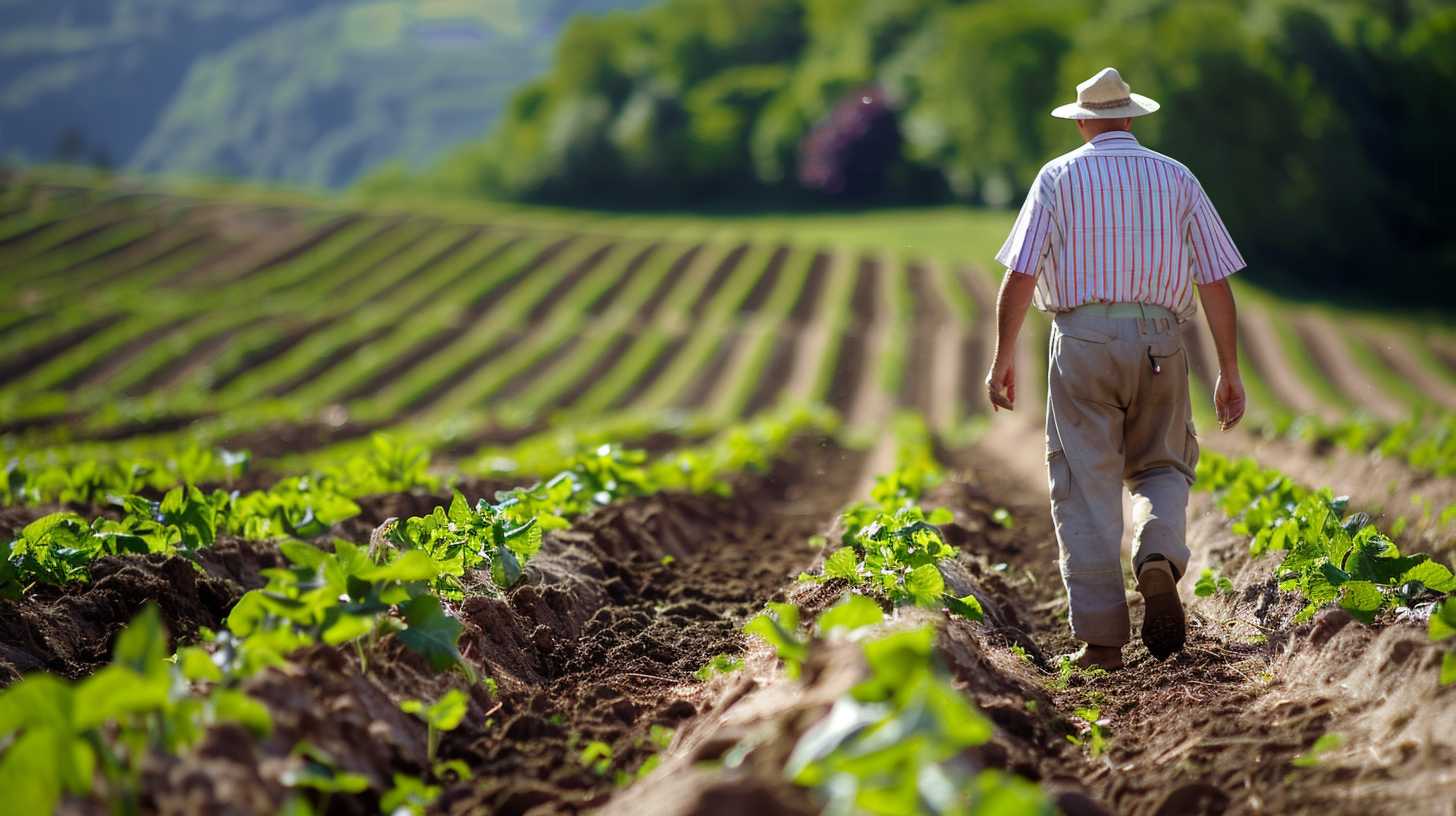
[
  {"x": 310, "y": 92},
  {"x": 1319, "y": 128}
]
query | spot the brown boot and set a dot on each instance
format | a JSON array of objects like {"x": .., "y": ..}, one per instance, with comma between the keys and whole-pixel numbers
[
  {"x": 1089, "y": 656},
  {"x": 1164, "y": 630}
]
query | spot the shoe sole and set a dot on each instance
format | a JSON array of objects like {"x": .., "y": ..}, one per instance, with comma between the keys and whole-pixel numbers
[{"x": 1164, "y": 629}]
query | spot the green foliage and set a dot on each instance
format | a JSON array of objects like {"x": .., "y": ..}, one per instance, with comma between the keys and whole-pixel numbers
[
  {"x": 1325, "y": 744},
  {"x": 893, "y": 744},
  {"x": 891, "y": 546},
  {"x": 850, "y": 613},
  {"x": 719, "y": 664},
  {"x": 462, "y": 539},
  {"x": 779, "y": 627},
  {"x": 1329, "y": 556},
  {"x": 695, "y": 100},
  {"x": 94, "y": 736},
  {"x": 1211, "y": 583},
  {"x": 1426, "y": 441},
  {"x": 1094, "y": 740},
  {"x": 440, "y": 717},
  {"x": 337, "y": 598}
]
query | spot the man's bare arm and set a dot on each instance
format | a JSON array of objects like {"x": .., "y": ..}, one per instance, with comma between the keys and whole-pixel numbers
[
  {"x": 1223, "y": 322},
  {"x": 1011, "y": 306}
]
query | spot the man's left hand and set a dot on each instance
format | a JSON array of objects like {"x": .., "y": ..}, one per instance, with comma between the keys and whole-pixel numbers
[{"x": 1001, "y": 385}]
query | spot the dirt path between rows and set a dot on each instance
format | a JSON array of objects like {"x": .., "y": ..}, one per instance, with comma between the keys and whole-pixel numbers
[
  {"x": 1330, "y": 355},
  {"x": 1261, "y": 343},
  {"x": 1215, "y": 729},
  {"x": 1395, "y": 352}
]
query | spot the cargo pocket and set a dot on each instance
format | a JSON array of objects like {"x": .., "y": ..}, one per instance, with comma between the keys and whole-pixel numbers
[
  {"x": 1190, "y": 448},
  {"x": 1059, "y": 475}
]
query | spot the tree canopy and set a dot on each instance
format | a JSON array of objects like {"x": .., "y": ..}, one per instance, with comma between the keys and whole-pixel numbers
[{"x": 1318, "y": 126}]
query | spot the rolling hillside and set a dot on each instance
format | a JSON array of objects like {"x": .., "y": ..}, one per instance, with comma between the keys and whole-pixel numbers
[{"x": 304, "y": 91}]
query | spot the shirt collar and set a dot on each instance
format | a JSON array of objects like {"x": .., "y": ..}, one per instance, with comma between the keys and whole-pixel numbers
[{"x": 1114, "y": 138}]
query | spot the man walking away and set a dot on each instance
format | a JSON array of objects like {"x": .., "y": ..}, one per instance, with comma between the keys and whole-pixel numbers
[{"x": 1112, "y": 239}]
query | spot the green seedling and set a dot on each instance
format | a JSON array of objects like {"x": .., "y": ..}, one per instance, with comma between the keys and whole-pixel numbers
[
  {"x": 718, "y": 664},
  {"x": 440, "y": 717},
  {"x": 1211, "y": 583},
  {"x": 1325, "y": 744},
  {"x": 778, "y": 626},
  {"x": 1094, "y": 741}
]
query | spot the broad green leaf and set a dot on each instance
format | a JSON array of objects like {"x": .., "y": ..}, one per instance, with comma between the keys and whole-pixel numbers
[
  {"x": 231, "y": 705},
  {"x": 1443, "y": 620},
  {"x": 38, "y": 700},
  {"x": 779, "y": 627},
  {"x": 448, "y": 711},
  {"x": 845, "y": 719},
  {"x": 197, "y": 665},
  {"x": 841, "y": 564},
  {"x": 142, "y": 645},
  {"x": 34, "y": 771},
  {"x": 940, "y": 515},
  {"x": 852, "y": 612},
  {"x": 895, "y": 660},
  {"x": 1448, "y": 668},
  {"x": 925, "y": 585},
  {"x": 1435, "y": 575},
  {"x": 116, "y": 692},
  {"x": 411, "y": 565},
  {"x": 302, "y": 553},
  {"x": 967, "y": 606},
  {"x": 347, "y": 628},
  {"x": 430, "y": 632},
  {"x": 1361, "y": 599}
]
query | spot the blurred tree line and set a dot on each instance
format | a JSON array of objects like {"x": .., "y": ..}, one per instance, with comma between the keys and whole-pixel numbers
[{"x": 1320, "y": 127}]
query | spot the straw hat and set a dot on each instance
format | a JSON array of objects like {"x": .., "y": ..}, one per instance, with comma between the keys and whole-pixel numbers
[{"x": 1106, "y": 96}]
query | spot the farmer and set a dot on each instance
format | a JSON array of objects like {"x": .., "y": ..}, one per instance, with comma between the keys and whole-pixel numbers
[{"x": 1111, "y": 240}]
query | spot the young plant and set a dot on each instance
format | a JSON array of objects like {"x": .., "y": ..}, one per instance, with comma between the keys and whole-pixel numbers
[
  {"x": 463, "y": 538},
  {"x": 440, "y": 717},
  {"x": 896, "y": 742},
  {"x": 779, "y": 627},
  {"x": 1094, "y": 740},
  {"x": 94, "y": 736},
  {"x": 1211, "y": 583},
  {"x": 719, "y": 664},
  {"x": 343, "y": 597}
]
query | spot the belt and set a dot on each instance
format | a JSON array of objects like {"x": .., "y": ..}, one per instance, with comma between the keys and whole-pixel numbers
[{"x": 1135, "y": 311}]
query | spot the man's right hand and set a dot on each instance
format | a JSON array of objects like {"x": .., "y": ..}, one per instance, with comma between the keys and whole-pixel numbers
[
  {"x": 1001, "y": 385},
  {"x": 1228, "y": 399}
]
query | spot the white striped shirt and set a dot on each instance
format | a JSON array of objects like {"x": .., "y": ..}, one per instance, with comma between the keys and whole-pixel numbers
[{"x": 1113, "y": 221}]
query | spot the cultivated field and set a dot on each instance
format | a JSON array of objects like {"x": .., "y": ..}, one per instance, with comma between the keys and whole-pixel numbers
[{"x": 486, "y": 499}]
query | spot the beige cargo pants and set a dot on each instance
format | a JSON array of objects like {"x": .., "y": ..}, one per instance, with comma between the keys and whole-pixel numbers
[{"x": 1117, "y": 413}]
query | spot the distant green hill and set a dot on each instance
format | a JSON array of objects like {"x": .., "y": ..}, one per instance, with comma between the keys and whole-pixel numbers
[{"x": 300, "y": 91}]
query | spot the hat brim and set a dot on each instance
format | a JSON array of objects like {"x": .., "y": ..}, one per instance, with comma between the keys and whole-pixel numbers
[{"x": 1138, "y": 105}]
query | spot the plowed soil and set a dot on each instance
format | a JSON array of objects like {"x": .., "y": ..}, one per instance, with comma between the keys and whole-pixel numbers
[{"x": 601, "y": 641}]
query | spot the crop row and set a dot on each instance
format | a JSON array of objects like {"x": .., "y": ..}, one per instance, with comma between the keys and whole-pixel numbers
[
  {"x": 396, "y": 316},
  {"x": 84, "y": 739},
  {"x": 1330, "y": 555}
]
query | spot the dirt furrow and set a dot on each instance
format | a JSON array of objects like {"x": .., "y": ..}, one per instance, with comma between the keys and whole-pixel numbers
[
  {"x": 1216, "y": 728},
  {"x": 1262, "y": 346},
  {"x": 1395, "y": 353},
  {"x": 599, "y": 644},
  {"x": 1323, "y": 343}
]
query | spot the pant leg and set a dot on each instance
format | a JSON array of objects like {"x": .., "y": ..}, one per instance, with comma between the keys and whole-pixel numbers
[
  {"x": 1085, "y": 466},
  {"x": 1160, "y": 517},
  {"x": 1162, "y": 452}
]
